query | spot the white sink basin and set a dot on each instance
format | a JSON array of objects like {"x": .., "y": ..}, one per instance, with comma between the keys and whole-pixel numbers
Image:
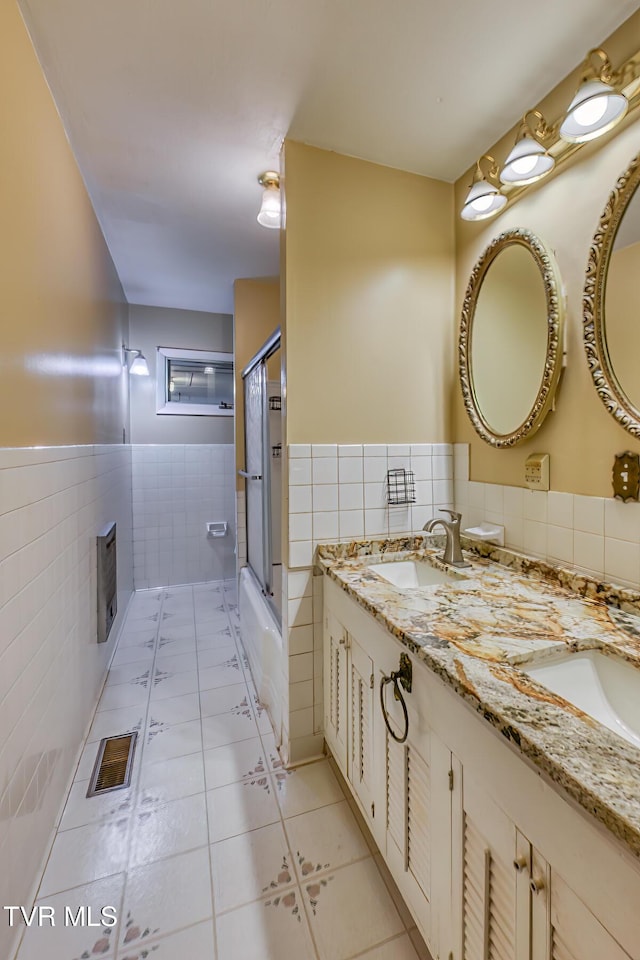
[
  {"x": 606, "y": 688},
  {"x": 413, "y": 573}
]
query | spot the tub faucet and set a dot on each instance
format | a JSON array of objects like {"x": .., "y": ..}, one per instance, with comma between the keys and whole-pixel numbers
[{"x": 452, "y": 551}]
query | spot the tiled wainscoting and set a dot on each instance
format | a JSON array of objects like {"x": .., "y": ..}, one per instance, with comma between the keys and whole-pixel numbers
[
  {"x": 338, "y": 492},
  {"x": 177, "y": 488},
  {"x": 53, "y": 503},
  {"x": 595, "y": 535}
]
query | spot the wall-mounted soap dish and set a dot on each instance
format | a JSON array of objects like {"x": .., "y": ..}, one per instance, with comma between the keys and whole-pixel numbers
[
  {"x": 217, "y": 528},
  {"x": 489, "y": 532}
]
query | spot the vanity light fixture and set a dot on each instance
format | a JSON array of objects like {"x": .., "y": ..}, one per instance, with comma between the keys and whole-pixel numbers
[
  {"x": 269, "y": 215},
  {"x": 597, "y": 105},
  {"x": 529, "y": 160},
  {"x": 484, "y": 198},
  {"x": 603, "y": 98},
  {"x": 136, "y": 363}
]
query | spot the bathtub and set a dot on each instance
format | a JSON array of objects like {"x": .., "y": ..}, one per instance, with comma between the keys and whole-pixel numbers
[{"x": 262, "y": 641}]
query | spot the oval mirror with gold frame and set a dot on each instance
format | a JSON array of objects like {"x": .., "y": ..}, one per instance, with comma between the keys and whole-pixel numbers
[
  {"x": 511, "y": 335},
  {"x": 611, "y": 331}
]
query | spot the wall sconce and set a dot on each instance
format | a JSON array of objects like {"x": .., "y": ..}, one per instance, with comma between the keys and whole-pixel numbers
[
  {"x": 137, "y": 363},
  {"x": 603, "y": 98},
  {"x": 269, "y": 215},
  {"x": 484, "y": 198},
  {"x": 528, "y": 161},
  {"x": 597, "y": 106}
]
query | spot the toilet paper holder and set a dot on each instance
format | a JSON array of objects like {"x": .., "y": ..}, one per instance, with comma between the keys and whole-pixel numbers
[{"x": 217, "y": 528}]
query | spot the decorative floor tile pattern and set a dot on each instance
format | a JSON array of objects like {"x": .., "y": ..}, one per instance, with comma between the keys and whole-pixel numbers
[{"x": 215, "y": 852}]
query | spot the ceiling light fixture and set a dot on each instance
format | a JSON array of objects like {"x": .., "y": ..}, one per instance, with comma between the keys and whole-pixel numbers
[
  {"x": 137, "y": 364},
  {"x": 529, "y": 160},
  {"x": 597, "y": 105},
  {"x": 484, "y": 198},
  {"x": 269, "y": 215}
]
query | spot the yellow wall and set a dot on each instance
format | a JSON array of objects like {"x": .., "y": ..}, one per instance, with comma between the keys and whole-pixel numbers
[
  {"x": 581, "y": 437},
  {"x": 63, "y": 313},
  {"x": 256, "y": 316},
  {"x": 369, "y": 294}
]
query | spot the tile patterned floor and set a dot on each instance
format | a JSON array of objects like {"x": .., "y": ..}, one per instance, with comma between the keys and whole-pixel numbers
[{"x": 215, "y": 852}]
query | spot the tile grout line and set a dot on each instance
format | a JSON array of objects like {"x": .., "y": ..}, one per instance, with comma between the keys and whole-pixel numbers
[
  {"x": 206, "y": 803},
  {"x": 143, "y": 737}
]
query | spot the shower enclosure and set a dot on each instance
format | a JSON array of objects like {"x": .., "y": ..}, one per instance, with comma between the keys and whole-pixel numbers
[{"x": 263, "y": 446}]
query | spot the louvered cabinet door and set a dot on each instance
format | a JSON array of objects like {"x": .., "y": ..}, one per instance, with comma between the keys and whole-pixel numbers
[
  {"x": 409, "y": 826},
  {"x": 360, "y": 755},
  {"x": 336, "y": 683},
  {"x": 488, "y": 879},
  {"x": 575, "y": 933}
]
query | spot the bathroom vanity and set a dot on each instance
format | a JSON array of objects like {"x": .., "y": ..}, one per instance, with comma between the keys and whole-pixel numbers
[{"x": 509, "y": 817}]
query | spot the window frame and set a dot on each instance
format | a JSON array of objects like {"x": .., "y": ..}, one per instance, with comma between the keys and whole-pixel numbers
[{"x": 164, "y": 407}]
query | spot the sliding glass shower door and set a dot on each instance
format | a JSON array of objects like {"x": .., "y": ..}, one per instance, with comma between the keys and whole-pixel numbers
[{"x": 262, "y": 538}]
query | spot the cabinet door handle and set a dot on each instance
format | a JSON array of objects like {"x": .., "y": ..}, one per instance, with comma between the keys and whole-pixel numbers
[
  {"x": 537, "y": 884},
  {"x": 520, "y": 864}
]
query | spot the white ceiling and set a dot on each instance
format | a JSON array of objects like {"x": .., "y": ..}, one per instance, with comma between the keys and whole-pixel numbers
[{"x": 173, "y": 108}]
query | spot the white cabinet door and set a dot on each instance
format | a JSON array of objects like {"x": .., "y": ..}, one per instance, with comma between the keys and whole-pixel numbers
[
  {"x": 574, "y": 932},
  {"x": 361, "y": 759},
  {"x": 336, "y": 683},
  {"x": 486, "y": 881}
]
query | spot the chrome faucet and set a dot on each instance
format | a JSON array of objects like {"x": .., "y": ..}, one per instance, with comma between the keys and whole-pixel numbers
[{"x": 452, "y": 551}]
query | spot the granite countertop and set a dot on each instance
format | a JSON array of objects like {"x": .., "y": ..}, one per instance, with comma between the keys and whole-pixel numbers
[{"x": 511, "y": 610}]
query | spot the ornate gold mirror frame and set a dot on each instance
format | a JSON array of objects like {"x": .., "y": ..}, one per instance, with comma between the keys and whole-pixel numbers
[
  {"x": 550, "y": 376},
  {"x": 593, "y": 330}
]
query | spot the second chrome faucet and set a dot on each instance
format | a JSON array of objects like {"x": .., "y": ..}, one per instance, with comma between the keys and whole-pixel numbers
[{"x": 453, "y": 550}]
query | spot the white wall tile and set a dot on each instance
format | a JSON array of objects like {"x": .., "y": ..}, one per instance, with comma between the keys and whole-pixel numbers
[
  {"x": 324, "y": 450},
  {"x": 422, "y": 467},
  {"x": 376, "y": 522},
  {"x": 325, "y": 470},
  {"x": 325, "y": 525},
  {"x": 297, "y": 450},
  {"x": 622, "y": 520},
  {"x": 325, "y": 497},
  {"x": 588, "y": 552},
  {"x": 494, "y": 498},
  {"x": 350, "y": 470},
  {"x": 375, "y": 450},
  {"x": 588, "y": 514},
  {"x": 350, "y": 450},
  {"x": 560, "y": 509},
  {"x": 398, "y": 450},
  {"x": 300, "y": 500},
  {"x": 420, "y": 450},
  {"x": 513, "y": 501},
  {"x": 535, "y": 505},
  {"x": 351, "y": 524},
  {"x": 299, "y": 472},
  {"x": 351, "y": 496},
  {"x": 374, "y": 496},
  {"x": 442, "y": 468},
  {"x": 560, "y": 544},
  {"x": 461, "y": 461},
  {"x": 301, "y": 553},
  {"x": 622, "y": 561},
  {"x": 475, "y": 494},
  {"x": 375, "y": 469},
  {"x": 535, "y": 538},
  {"x": 300, "y": 527}
]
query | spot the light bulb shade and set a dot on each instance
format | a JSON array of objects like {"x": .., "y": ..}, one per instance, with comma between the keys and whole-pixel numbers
[
  {"x": 139, "y": 366},
  {"x": 269, "y": 215},
  {"x": 527, "y": 162},
  {"x": 596, "y": 108},
  {"x": 483, "y": 200}
]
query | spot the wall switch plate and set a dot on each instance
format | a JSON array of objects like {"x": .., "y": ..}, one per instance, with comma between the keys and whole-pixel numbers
[
  {"x": 626, "y": 476},
  {"x": 536, "y": 471}
]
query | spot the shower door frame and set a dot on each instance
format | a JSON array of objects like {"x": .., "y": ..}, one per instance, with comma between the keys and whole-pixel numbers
[{"x": 269, "y": 347}]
